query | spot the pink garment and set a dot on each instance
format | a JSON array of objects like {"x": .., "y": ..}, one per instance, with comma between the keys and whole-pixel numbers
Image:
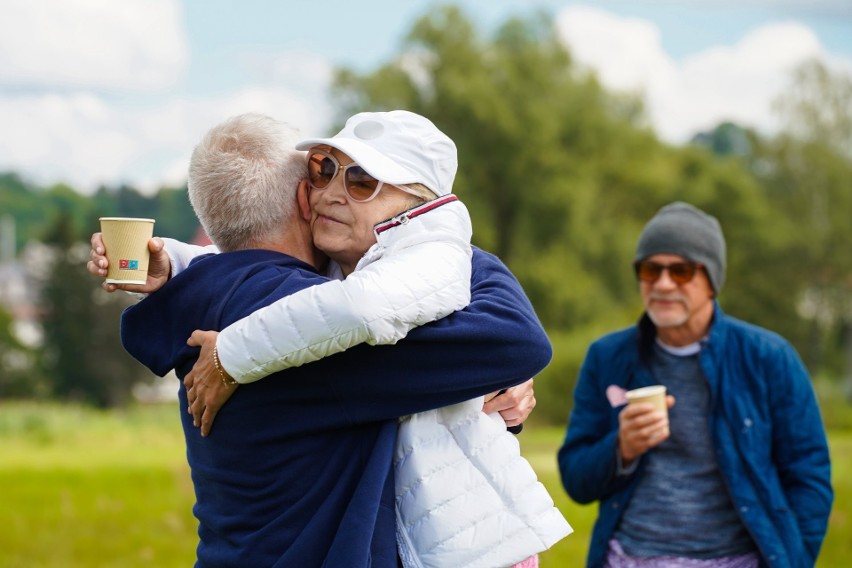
[{"x": 531, "y": 562}]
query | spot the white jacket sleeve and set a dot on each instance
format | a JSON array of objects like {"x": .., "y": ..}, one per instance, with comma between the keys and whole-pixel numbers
[
  {"x": 417, "y": 272},
  {"x": 181, "y": 254}
]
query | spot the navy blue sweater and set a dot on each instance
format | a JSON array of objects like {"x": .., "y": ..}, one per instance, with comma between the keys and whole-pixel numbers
[{"x": 297, "y": 468}]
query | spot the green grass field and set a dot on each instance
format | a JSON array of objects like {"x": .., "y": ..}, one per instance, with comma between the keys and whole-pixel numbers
[
  {"x": 84, "y": 489},
  {"x": 81, "y": 488}
]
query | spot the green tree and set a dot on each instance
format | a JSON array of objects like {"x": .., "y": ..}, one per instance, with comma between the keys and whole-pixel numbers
[
  {"x": 170, "y": 208},
  {"x": 559, "y": 175},
  {"x": 817, "y": 107},
  {"x": 806, "y": 172},
  {"x": 18, "y": 199},
  {"x": 34, "y": 208},
  {"x": 18, "y": 374},
  {"x": 531, "y": 131},
  {"x": 727, "y": 139},
  {"x": 82, "y": 355}
]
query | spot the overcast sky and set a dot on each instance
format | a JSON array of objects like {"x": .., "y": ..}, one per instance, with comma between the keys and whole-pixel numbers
[{"x": 107, "y": 92}]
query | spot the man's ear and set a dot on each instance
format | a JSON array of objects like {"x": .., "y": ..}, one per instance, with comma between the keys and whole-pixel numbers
[{"x": 303, "y": 201}]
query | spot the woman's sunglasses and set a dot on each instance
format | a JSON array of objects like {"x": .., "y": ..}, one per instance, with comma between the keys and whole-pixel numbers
[
  {"x": 679, "y": 272},
  {"x": 360, "y": 186}
]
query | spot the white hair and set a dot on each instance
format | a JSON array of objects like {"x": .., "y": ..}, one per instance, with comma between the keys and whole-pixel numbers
[{"x": 243, "y": 177}]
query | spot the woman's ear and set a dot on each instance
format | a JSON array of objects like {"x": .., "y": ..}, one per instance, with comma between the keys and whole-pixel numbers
[{"x": 302, "y": 193}]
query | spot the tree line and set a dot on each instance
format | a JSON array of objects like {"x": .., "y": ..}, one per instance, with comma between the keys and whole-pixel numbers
[
  {"x": 560, "y": 175},
  {"x": 79, "y": 357}
]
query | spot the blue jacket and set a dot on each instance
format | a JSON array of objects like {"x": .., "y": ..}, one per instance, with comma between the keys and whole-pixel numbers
[
  {"x": 297, "y": 468},
  {"x": 766, "y": 426}
]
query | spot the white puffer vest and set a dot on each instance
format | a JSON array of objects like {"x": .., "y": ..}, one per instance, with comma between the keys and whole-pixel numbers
[{"x": 465, "y": 497}]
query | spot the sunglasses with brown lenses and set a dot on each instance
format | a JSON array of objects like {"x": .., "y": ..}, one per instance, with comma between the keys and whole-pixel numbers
[{"x": 679, "y": 272}]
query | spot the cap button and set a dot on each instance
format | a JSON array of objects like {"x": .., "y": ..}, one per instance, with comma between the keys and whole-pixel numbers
[{"x": 369, "y": 130}]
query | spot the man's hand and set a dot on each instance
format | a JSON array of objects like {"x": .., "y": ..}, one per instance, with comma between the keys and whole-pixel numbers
[
  {"x": 159, "y": 266},
  {"x": 206, "y": 391},
  {"x": 513, "y": 404},
  {"x": 640, "y": 428}
]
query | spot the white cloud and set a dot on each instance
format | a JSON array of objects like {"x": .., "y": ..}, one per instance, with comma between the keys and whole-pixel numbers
[
  {"x": 169, "y": 133},
  {"x": 81, "y": 44},
  {"x": 87, "y": 139},
  {"x": 293, "y": 90},
  {"x": 736, "y": 83},
  {"x": 65, "y": 66},
  {"x": 92, "y": 91},
  {"x": 626, "y": 53},
  {"x": 726, "y": 82},
  {"x": 60, "y": 137}
]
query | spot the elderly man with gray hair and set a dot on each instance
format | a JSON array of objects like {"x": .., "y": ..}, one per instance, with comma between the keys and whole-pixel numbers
[{"x": 738, "y": 474}]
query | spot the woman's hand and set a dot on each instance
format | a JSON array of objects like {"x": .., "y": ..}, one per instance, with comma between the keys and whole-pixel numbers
[{"x": 205, "y": 388}]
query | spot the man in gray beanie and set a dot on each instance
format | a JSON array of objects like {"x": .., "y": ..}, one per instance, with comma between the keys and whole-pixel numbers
[{"x": 737, "y": 473}]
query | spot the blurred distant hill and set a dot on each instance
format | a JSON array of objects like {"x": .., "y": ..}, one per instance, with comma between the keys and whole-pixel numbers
[{"x": 34, "y": 209}]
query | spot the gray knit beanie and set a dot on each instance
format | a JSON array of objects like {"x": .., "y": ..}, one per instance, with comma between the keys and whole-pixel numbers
[{"x": 684, "y": 230}]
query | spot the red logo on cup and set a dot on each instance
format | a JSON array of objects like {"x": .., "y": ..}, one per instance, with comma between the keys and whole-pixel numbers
[{"x": 123, "y": 264}]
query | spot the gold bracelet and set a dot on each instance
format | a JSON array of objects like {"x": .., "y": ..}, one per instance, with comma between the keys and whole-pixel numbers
[{"x": 227, "y": 380}]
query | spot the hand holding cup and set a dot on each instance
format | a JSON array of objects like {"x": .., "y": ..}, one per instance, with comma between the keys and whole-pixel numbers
[
  {"x": 105, "y": 262},
  {"x": 644, "y": 423}
]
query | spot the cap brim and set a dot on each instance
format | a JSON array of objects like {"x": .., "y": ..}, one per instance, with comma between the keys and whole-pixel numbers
[{"x": 375, "y": 163}]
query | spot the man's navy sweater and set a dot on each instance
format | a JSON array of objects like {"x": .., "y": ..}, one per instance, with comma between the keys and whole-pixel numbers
[{"x": 297, "y": 470}]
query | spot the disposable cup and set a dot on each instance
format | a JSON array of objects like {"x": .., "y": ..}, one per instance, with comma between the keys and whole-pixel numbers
[
  {"x": 655, "y": 394},
  {"x": 126, "y": 242}
]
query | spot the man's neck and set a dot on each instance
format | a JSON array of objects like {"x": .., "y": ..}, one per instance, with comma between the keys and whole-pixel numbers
[
  {"x": 692, "y": 331},
  {"x": 296, "y": 244}
]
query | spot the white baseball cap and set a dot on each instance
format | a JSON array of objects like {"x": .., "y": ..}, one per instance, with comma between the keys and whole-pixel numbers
[{"x": 396, "y": 147}]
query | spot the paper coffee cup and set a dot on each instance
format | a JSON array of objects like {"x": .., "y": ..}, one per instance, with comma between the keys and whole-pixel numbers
[
  {"x": 126, "y": 242},
  {"x": 655, "y": 394}
]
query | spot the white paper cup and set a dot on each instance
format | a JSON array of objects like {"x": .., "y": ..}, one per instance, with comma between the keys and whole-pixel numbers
[
  {"x": 126, "y": 242},
  {"x": 655, "y": 394}
]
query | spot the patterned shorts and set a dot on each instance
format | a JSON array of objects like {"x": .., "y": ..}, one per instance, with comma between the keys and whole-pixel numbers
[{"x": 617, "y": 558}]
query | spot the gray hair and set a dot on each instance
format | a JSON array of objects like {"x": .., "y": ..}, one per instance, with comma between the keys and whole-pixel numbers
[
  {"x": 243, "y": 177},
  {"x": 419, "y": 195}
]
